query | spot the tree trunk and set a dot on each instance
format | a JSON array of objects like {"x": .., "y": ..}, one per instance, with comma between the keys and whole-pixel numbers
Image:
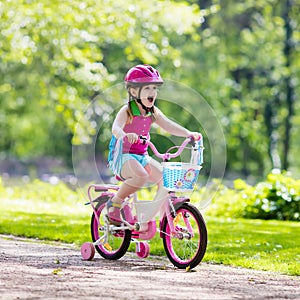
[
  {"x": 290, "y": 93},
  {"x": 272, "y": 129}
]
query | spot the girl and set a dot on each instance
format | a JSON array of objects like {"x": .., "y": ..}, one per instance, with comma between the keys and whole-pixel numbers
[{"x": 133, "y": 120}]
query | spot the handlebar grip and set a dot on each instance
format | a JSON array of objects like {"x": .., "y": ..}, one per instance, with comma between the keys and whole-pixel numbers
[
  {"x": 193, "y": 140},
  {"x": 142, "y": 140}
]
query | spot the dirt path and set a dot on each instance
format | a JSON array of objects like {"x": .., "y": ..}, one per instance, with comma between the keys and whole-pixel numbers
[{"x": 31, "y": 269}]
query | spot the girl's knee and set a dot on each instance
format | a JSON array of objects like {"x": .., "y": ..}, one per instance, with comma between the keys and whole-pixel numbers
[
  {"x": 137, "y": 179},
  {"x": 140, "y": 178}
]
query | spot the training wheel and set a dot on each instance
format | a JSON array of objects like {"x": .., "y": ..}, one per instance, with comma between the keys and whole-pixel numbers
[
  {"x": 87, "y": 251},
  {"x": 142, "y": 249}
]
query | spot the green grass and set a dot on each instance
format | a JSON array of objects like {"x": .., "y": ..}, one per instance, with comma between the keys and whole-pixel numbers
[{"x": 256, "y": 244}]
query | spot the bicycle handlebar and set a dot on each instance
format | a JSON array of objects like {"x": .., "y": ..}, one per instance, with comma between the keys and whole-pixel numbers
[{"x": 167, "y": 155}]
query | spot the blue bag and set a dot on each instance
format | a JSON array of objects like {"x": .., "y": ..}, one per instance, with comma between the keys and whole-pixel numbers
[{"x": 115, "y": 155}]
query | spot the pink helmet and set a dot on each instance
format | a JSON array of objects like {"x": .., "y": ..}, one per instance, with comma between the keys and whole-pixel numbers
[{"x": 142, "y": 75}]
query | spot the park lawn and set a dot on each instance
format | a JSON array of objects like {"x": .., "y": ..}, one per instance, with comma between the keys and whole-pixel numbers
[{"x": 256, "y": 244}]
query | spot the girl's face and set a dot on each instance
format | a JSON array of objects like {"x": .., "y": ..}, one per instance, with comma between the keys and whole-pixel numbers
[{"x": 148, "y": 94}]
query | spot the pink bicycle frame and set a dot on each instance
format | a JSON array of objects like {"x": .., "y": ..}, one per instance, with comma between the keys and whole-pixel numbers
[{"x": 166, "y": 156}]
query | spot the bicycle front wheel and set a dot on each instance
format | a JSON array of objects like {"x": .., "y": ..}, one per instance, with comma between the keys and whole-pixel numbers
[
  {"x": 186, "y": 247},
  {"x": 118, "y": 240}
]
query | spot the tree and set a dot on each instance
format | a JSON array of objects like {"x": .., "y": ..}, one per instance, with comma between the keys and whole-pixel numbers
[
  {"x": 289, "y": 13},
  {"x": 242, "y": 69},
  {"x": 56, "y": 57}
]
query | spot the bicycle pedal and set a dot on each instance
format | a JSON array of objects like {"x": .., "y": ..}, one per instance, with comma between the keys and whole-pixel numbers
[{"x": 107, "y": 247}]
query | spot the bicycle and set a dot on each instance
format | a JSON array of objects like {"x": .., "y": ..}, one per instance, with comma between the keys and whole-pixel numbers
[{"x": 181, "y": 225}]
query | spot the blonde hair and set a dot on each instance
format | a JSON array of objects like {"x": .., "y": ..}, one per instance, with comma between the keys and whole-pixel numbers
[{"x": 129, "y": 114}]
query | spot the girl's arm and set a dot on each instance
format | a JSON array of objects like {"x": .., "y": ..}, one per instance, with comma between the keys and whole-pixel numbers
[
  {"x": 119, "y": 123},
  {"x": 172, "y": 127}
]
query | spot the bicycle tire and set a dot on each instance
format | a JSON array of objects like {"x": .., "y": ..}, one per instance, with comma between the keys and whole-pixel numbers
[
  {"x": 186, "y": 252},
  {"x": 118, "y": 242}
]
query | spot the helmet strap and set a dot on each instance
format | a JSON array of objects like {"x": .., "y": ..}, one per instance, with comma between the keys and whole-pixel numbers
[
  {"x": 138, "y": 100},
  {"x": 146, "y": 109}
]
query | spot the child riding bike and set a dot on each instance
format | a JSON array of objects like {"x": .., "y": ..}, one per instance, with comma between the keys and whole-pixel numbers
[{"x": 135, "y": 167}]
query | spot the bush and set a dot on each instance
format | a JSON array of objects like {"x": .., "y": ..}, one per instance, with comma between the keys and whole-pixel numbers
[{"x": 276, "y": 198}]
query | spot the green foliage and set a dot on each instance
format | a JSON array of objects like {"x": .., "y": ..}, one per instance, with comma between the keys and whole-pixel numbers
[
  {"x": 278, "y": 197},
  {"x": 244, "y": 76},
  {"x": 55, "y": 57}
]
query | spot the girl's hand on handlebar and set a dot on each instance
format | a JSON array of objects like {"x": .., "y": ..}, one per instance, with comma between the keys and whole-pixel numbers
[
  {"x": 132, "y": 137},
  {"x": 196, "y": 136}
]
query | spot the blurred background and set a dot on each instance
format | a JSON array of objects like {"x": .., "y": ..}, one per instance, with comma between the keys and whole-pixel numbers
[{"x": 57, "y": 57}]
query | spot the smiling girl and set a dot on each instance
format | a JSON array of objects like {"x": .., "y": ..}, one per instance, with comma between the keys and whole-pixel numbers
[{"x": 133, "y": 120}]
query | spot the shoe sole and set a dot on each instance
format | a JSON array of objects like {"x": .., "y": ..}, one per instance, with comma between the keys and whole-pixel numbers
[{"x": 113, "y": 222}]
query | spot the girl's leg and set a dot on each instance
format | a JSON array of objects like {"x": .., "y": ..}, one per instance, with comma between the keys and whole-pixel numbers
[
  {"x": 135, "y": 177},
  {"x": 154, "y": 169}
]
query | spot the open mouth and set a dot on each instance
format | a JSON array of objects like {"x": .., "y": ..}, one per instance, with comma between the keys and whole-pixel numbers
[{"x": 150, "y": 99}]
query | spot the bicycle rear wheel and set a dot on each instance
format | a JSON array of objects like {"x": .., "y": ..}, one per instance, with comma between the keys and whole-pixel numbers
[
  {"x": 118, "y": 240},
  {"x": 185, "y": 248}
]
